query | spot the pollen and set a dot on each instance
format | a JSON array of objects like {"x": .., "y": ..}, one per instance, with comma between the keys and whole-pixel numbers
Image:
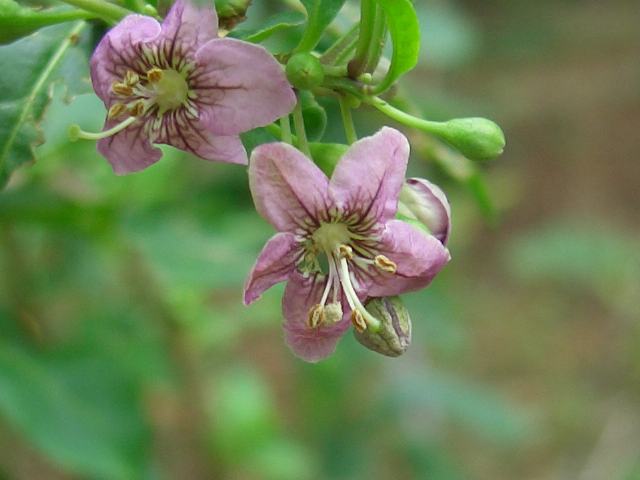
[
  {"x": 384, "y": 264},
  {"x": 358, "y": 321},
  {"x": 116, "y": 110},
  {"x": 136, "y": 109},
  {"x": 122, "y": 89},
  {"x": 131, "y": 78},
  {"x": 316, "y": 316},
  {"x": 154, "y": 75}
]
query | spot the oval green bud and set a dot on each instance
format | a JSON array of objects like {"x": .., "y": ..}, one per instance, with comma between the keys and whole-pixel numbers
[
  {"x": 231, "y": 12},
  {"x": 304, "y": 71},
  {"x": 394, "y": 335},
  {"x": 475, "y": 138}
]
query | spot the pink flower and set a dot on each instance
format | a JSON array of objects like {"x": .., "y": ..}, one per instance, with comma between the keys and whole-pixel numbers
[
  {"x": 339, "y": 242},
  {"x": 178, "y": 84}
]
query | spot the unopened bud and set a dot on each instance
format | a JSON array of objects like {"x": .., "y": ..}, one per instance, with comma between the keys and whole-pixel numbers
[
  {"x": 304, "y": 71},
  {"x": 394, "y": 335},
  {"x": 425, "y": 204},
  {"x": 475, "y": 138},
  {"x": 231, "y": 12}
]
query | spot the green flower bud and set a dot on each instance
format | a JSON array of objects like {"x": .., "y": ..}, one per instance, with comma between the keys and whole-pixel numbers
[
  {"x": 304, "y": 71},
  {"x": 394, "y": 335},
  {"x": 231, "y": 12},
  {"x": 475, "y": 138}
]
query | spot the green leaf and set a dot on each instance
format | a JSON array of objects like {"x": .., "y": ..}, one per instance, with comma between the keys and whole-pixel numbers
[
  {"x": 31, "y": 66},
  {"x": 75, "y": 407},
  {"x": 404, "y": 28},
  {"x": 320, "y": 14},
  {"x": 273, "y": 24}
]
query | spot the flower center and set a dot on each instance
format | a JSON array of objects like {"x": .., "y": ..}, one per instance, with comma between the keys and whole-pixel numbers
[
  {"x": 171, "y": 90},
  {"x": 344, "y": 251}
]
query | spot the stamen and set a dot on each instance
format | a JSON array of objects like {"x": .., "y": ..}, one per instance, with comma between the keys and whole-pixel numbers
[
  {"x": 154, "y": 75},
  {"x": 316, "y": 316},
  {"x": 358, "y": 321},
  {"x": 75, "y": 132},
  {"x": 131, "y": 78},
  {"x": 137, "y": 109},
  {"x": 345, "y": 251},
  {"x": 122, "y": 89},
  {"x": 352, "y": 298},
  {"x": 116, "y": 110},
  {"x": 384, "y": 264}
]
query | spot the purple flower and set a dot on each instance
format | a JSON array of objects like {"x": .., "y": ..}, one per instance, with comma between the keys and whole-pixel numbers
[
  {"x": 339, "y": 242},
  {"x": 178, "y": 84}
]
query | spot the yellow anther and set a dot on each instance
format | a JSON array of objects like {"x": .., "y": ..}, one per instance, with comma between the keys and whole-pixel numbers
[
  {"x": 136, "y": 109},
  {"x": 131, "y": 78},
  {"x": 358, "y": 321},
  {"x": 316, "y": 316},
  {"x": 384, "y": 264},
  {"x": 122, "y": 89},
  {"x": 116, "y": 110},
  {"x": 154, "y": 75},
  {"x": 345, "y": 251}
]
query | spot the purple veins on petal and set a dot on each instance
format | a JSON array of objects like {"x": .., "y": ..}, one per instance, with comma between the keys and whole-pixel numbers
[
  {"x": 176, "y": 83},
  {"x": 339, "y": 243}
]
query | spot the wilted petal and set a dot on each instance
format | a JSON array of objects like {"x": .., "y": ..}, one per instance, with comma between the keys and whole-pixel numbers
[
  {"x": 129, "y": 150},
  {"x": 242, "y": 86},
  {"x": 417, "y": 255},
  {"x": 288, "y": 188},
  {"x": 310, "y": 344},
  {"x": 275, "y": 263},
  {"x": 369, "y": 176},
  {"x": 428, "y": 204},
  {"x": 117, "y": 52},
  {"x": 189, "y": 25}
]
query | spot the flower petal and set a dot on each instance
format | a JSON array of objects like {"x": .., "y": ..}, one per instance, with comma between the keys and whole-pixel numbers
[
  {"x": 189, "y": 135},
  {"x": 190, "y": 25},
  {"x": 288, "y": 189},
  {"x": 310, "y": 344},
  {"x": 243, "y": 86},
  {"x": 428, "y": 204},
  {"x": 129, "y": 150},
  {"x": 275, "y": 263},
  {"x": 369, "y": 176},
  {"x": 116, "y": 53},
  {"x": 417, "y": 255}
]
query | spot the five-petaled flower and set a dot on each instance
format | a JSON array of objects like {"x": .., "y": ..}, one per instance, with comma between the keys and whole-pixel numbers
[
  {"x": 338, "y": 240},
  {"x": 179, "y": 84}
]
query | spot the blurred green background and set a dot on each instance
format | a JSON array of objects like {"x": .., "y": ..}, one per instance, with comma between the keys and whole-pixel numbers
[{"x": 126, "y": 353}]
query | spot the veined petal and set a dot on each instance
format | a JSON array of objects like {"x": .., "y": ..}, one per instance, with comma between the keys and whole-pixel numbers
[
  {"x": 275, "y": 263},
  {"x": 128, "y": 151},
  {"x": 117, "y": 51},
  {"x": 310, "y": 344},
  {"x": 240, "y": 87},
  {"x": 288, "y": 189},
  {"x": 189, "y": 135},
  {"x": 428, "y": 204},
  {"x": 417, "y": 255},
  {"x": 189, "y": 24},
  {"x": 369, "y": 176}
]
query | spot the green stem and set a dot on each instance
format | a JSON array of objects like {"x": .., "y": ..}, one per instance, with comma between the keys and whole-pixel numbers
[
  {"x": 436, "y": 128},
  {"x": 345, "y": 41},
  {"x": 367, "y": 21},
  {"x": 298, "y": 122},
  {"x": 105, "y": 10},
  {"x": 347, "y": 120},
  {"x": 378, "y": 35},
  {"x": 335, "y": 70},
  {"x": 46, "y": 17},
  {"x": 285, "y": 133}
]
